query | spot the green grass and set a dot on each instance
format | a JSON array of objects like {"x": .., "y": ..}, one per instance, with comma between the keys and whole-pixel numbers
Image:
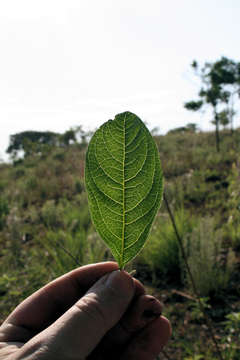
[{"x": 44, "y": 217}]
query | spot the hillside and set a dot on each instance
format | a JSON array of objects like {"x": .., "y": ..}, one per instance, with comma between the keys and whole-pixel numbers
[{"x": 46, "y": 230}]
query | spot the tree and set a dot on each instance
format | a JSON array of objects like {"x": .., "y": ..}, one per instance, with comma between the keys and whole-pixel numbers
[
  {"x": 211, "y": 95},
  {"x": 192, "y": 127},
  {"x": 226, "y": 73},
  {"x": 30, "y": 142},
  {"x": 179, "y": 130},
  {"x": 225, "y": 117},
  {"x": 82, "y": 137},
  {"x": 37, "y": 142},
  {"x": 68, "y": 137},
  {"x": 220, "y": 83}
]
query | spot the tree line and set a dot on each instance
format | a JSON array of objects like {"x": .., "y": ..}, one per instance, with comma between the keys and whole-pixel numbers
[
  {"x": 219, "y": 91},
  {"x": 28, "y": 143}
]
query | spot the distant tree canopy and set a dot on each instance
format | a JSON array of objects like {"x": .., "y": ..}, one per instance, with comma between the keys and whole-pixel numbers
[
  {"x": 35, "y": 142},
  {"x": 22, "y": 141},
  {"x": 68, "y": 137},
  {"x": 220, "y": 90},
  {"x": 191, "y": 127},
  {"x": 194, "y": 105}
]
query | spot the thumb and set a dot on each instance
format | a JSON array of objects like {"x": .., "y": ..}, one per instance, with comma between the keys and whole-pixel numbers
[
  {"x": 77, "y": 332},
  {"x": 103, "y": 306}
]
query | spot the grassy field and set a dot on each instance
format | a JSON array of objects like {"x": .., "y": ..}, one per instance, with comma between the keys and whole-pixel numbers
[{"x": 46, "y": 230}]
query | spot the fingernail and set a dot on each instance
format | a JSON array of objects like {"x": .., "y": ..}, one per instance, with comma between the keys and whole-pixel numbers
[
  {"x": 153, "y": 309},
  {"x": 150, "y": 315}
]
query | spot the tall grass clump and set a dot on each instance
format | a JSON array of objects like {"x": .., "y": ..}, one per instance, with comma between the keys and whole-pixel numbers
[
  {"x": 210, "y": 265},
  {"x": 69, "y": 239},
  {"x": 4, "y": 211},
  {"x": 233, "y": 204},
  {"x": 66, "y": 251},
  {"x": 162, "y": 253}
]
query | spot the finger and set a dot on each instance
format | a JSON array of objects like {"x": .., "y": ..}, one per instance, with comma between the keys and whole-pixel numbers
[
  {"x": 142, "y": 311},
  {"x": 46, "y": 305},
  {"x": 7, "y": 349},
  {"x": 148, "y": 343},
  {"x": 43, "y": 307},
  {"x": 75, "y": 334}
]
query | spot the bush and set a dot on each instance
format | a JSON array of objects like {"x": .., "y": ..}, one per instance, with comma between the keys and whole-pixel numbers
[
  {"x": 76, "y": 214},
  {"x": 31, "y": 183},
  {"x": 52, "y": 215}
]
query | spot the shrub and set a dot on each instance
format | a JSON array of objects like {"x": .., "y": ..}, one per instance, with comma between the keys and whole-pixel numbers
[
  {"x": 52, "y": 215},
  {"x": 60, "y": 156},
  {"x": 18, "y": 172},
  {"x": 31, "y": 183},
  {"x": 79, "y": 186},
  {"x": 76, "y": 215}
]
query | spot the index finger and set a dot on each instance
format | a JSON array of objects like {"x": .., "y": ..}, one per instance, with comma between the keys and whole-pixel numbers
[{"x": 44, "y": 306}]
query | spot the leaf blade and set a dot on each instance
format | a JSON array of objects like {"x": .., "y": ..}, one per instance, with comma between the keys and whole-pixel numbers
[{"x": 124, "y": 182}]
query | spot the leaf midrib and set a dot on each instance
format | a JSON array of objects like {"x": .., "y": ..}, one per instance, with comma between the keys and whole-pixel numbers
[{"x": 123, "y": 189}]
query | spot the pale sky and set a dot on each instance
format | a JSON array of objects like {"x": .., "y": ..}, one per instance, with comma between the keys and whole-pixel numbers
[{"x": 65, "y": 63}]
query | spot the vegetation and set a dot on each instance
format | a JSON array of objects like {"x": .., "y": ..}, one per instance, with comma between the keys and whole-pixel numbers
[
  {"x": 45, "y": 230},
  {"x": 220, "y": 87}
]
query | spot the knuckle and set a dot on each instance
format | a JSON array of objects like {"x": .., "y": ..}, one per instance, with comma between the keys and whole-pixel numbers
[{"x": 93, "y": 310}]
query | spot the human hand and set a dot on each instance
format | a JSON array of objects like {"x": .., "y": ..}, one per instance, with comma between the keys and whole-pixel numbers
[{"x": 93, "y": 312}]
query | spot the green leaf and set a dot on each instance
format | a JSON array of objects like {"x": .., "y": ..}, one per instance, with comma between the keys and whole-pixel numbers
[{"x": 124, "y": 182}]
